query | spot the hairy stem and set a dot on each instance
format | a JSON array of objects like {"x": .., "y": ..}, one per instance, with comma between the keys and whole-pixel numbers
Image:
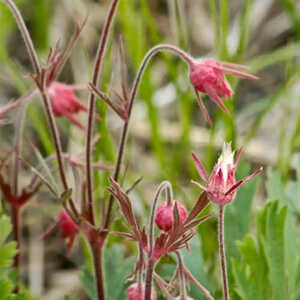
[
  {"x": 198, "y": 285},
  {"x": 164, "y": 185},
  {"x": 95, "y": 80},
  {"x": 98, "y": 265},
  {"x": 55, "y": 136},
  {"x": 26, "y": 36},
  {"x": 37, "y": 68},
  {"x": 181, "y": 275},
  {"x": 141, "y": 266},
  {"x": 149, "y": 275},
  {"x": 137, "y": 81},
  {"x": 97, "y": 250},
  {"x": 150, "y": 266},
  {"x": 222, "y": 253}
]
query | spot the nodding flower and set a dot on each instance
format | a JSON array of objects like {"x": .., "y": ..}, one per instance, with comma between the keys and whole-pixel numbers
[
  {"x": 164, "y": 218},
  {"x": 221, "y": 186},
  {"x": 208, "y": 76},
  {"x": 136, "y": 292},
  {"x": 64, "y": 102},
  {"x": 67, "y": 227}
]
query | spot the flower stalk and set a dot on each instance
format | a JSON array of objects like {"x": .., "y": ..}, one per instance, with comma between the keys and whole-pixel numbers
[
  {"x": 181, "y": 275},
  {"x": 151, "y": 263},
  {"x": 95, "y": 81},
  {"x": 222, "y": 253},
  {"x": 150, "y": 54},
  {"x": 40, "y": 79}
]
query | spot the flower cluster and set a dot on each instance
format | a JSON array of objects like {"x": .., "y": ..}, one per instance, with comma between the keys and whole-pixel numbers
[{"x": 176, "y": 225}]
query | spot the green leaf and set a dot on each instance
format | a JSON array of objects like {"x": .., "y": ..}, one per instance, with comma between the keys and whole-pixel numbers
[
  {"x": 7, "y": 252},
  {"x": 250, "y": 272},
  {"x": 6, "y": 288},
  {"x": 117, "y": 268},
  {"x": 238, "y": 213},
  {"x": 8, "y": 276},
  {"x": 288, "y": 195},
  {"x": 88, "y": 281},
  {"x": 67, "y": 297},
  {"x": 5, "y": 228},
  {"x": 271, "y": 232}
]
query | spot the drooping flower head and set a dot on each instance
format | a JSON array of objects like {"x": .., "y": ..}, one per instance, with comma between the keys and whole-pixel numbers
[
  {"x": 134, "y": 292},
  {"x": 67, "y": 227},
  {"x": 221, "y": 186},
  {"x": 164, "y": 217},
  {"x": 208, "y": 76},
  {"x": 64, "y": 102}
]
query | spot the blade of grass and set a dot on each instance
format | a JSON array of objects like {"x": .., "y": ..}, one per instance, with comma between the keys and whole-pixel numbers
[
  {"x": 278, "y": 56},
  {"x": 291, "y": 9},
  {"x": 44, "y": 166},
  {"x": 270, "y": 103},
  {"x": 224, "y": 16},
  {"x": 41, "y": 23},
  {"x": 245, "y": 27},
  {"x": 215, "y": 19}
]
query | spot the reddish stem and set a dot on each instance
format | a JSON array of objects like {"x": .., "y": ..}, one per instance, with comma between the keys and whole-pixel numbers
[
  {"x": 181, "y": 275},
  {"x": 150, "y": 267},
  {"x": 26, "y": 36},
  {"x": 95, "y": 80},
  {"x": 169, "y": 48},
  {"x": 222, "y": 253},
  {"x": 149, "y": 275},
  {"x": 37, "y": 68},
  {"x": 97, "y": 250},
  {"x": 55, "y": 136}
]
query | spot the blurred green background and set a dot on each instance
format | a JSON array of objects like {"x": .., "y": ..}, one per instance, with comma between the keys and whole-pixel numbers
[{"x": 167, "y": 124}]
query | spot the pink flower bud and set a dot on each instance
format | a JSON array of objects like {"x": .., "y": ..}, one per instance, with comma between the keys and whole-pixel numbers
[
  {"x": 164, "y": 215},
  {"x": 208, "y": 76},
  {"x": 136, "y": 293},
  {"x": 64, "y": 102},
  {"x": 221, "y": 185}
]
